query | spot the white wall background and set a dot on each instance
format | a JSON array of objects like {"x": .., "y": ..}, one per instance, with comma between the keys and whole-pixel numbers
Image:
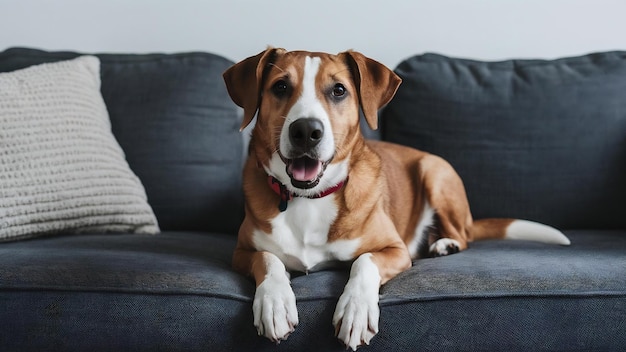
[{"x": 388, "y": 30}]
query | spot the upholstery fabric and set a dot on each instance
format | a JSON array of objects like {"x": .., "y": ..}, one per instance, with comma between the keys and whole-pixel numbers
[
  {"x": 61, "y": 169},
  {"x": 533, "y": 139},
  {"x": 176, "y": 291},
  {"x": 173, "y": 118}
]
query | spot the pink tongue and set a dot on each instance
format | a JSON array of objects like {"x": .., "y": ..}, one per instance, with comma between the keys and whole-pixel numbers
[{"x": 305, "y": 169}]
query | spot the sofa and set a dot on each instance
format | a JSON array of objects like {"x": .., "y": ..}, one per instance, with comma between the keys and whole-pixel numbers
[{"x": 543, "y": 140}]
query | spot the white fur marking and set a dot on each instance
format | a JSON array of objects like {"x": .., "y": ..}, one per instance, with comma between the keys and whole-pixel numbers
[
  {"x": 307, "y": 106},
  {"x": 442, "y": 247},
  {"x": 274, "y": 306},
  {"x": 426, "y": 219},
  {"x": 299, "y": 235},
  {"x": 534, "y": 231},
  {"x": 357, "y": 312}
]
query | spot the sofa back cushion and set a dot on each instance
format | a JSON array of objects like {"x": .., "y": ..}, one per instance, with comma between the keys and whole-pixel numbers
[
  {"x": 173, "y": 118},
  {"x": 535, "y": 139}
]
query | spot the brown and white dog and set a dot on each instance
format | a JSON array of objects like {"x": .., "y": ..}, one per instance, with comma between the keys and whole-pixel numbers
[{"x": 318, "y": 192}]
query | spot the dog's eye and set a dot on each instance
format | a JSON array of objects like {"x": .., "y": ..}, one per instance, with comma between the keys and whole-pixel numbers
[
  {"x": 339, "y": 90},
  {"x": 280, "y": 88}
]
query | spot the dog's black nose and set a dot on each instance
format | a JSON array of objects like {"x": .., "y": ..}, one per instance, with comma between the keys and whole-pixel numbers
[{"x": 306, "y": 133}]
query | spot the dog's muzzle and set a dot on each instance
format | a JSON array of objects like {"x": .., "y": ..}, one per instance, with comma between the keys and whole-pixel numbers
[{"x": 304, "y": 166}]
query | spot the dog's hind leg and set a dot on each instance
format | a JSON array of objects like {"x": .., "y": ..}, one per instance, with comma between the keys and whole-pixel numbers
[{"x": 451, "y": 218}]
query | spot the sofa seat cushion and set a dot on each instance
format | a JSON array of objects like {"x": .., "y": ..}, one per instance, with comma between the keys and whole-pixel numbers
[
  {"x": 176, "y": 291},
  {"x": 167, "y": 263},
  {"x": 590, "y": 266}
]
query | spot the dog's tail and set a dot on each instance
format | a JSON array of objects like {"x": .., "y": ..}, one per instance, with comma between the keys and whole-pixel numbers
[{"x": 514, "y": 229}]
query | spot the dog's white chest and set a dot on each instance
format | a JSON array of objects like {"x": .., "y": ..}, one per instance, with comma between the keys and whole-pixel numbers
[{"x": 300, "y": 235}]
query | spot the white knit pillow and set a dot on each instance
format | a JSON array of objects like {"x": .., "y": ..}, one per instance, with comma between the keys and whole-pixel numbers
[{"x": 61, "y": 169}]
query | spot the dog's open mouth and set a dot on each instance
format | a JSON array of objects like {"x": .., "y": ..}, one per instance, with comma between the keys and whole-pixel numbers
[{"x": 305, "y": 172}]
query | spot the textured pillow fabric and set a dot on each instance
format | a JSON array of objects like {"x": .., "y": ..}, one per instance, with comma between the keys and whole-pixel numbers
[
  {"x": 535, "y": 139},
  {"x": 173, "y": 118},
  {"x": 61, "y": 169}
]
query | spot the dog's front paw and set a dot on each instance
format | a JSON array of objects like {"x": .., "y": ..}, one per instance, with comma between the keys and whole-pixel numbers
[
  {"x": 356, "y": 317},
  {"x": 357, "y": 312},
  {"x": 274, "y": 308},
  {"x": 443, "y": 247}
]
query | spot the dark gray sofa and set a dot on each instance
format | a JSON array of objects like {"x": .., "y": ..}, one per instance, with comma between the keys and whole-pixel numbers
[{"x": 540, "y": 140}]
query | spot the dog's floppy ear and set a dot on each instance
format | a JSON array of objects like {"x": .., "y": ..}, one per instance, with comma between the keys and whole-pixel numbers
[
  {"x": 376, "y": 83},
  {"x": 244, "y": 82}
]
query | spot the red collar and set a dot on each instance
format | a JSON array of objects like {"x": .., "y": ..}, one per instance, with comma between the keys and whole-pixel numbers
[{"x": 286, "y": 195}]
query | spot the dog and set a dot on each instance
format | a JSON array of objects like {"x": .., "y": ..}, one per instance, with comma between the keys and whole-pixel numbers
[{"x": 318, "y": 192}]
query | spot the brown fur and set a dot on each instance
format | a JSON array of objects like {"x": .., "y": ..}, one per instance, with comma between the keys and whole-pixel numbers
[
  {"x": 388, "y": 185},
  {"x": 388, "y": 182}
]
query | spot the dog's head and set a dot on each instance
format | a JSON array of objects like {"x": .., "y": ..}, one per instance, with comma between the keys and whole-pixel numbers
[{"x": 307, "y": 107}]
